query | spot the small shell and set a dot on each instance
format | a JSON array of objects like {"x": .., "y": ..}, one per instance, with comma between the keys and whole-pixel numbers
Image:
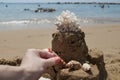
[
  {"x": 86, "y": 67},
  {"x": 73, "y": 65}
]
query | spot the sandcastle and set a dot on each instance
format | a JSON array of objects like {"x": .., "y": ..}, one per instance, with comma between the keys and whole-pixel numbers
[{"x": 70, "y": 45}]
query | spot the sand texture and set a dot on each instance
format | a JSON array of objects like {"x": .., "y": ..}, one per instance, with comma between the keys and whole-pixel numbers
[{"x": 102, "y": 37}]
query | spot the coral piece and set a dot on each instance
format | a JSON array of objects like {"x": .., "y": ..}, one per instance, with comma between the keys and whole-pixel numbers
[{"x": 67, "y": 22}]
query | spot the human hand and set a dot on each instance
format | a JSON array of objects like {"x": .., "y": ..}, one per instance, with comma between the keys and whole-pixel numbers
[{"x": 36, "y": 61}]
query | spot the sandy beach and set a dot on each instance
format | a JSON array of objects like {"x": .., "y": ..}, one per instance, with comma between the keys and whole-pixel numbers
[
  {"x": 16, "y": 42},
  {"x": 106, "y": 39},
  {"x": 102, "y": 37}
]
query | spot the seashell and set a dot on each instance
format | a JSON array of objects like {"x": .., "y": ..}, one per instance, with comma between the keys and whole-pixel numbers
[
  {"x": 43, "y": 78},
  {"x": 73, "y": 65},
  {"x": 86, "y": 67}
]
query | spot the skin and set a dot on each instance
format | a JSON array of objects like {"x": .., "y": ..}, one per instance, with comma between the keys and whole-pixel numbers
[{"x": 34, "y": 64}]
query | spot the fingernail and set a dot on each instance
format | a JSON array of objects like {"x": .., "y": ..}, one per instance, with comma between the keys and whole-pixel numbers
[
  {"x": 53, "y": 55},
  {"x": 49, "y": 50},
  {"x": 58, "y": 59},
  {"x": 63, "y": 61}
]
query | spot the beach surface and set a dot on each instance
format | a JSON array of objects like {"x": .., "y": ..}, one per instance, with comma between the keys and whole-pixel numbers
[
  {"x": 102, "y": 37},
  {"x": 15, "y": 42}
]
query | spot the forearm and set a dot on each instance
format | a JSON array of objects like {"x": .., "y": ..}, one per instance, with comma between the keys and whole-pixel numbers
[
  {"x": 16, "y": 73},
  {"x": 10, "y": 72}
]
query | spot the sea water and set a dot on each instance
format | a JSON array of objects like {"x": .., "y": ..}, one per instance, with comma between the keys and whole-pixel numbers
[{"x": 14, "y": 15}]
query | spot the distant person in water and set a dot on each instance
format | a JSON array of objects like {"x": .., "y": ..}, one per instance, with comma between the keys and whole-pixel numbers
[
  {"x": 39, "y": 5},
  {"x": 33, "y": 65},
  {"x": 6, "y": 5}
]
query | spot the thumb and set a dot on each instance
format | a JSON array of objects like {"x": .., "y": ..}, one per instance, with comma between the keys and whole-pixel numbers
[{"x": 52, "y": 61}]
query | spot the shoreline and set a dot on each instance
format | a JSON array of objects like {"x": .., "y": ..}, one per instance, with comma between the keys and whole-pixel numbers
[{"x": 25, "y": 26}]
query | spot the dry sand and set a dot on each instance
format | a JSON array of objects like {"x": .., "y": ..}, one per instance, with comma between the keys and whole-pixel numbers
[
  {"x": 103, "y": 37},
  {"x": 16, "y": 42},
  {"x": 106, "y": 38}
]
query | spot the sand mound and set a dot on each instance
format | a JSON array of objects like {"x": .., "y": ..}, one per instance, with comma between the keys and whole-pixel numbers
[
  {"x": 14, "y": 62},
  {"x": 112, "y": 65},
  {"x": 72, "y": 46}
]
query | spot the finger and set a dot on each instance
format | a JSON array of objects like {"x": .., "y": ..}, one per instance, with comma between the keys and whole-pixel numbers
[
  {"x": 48, "y": 49},
  {"x": 52, "y": 61},
  {"x": 45, "y": 54},
  {"x": 33, "y": 52}
]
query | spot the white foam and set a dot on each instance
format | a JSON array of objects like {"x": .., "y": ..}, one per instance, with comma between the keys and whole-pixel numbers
[
  {"x": 39, "y": 21},
  {"x": 33, "y": 21},
  {"x": 86, "y": 20},
  {"x": 15, "y": 22}
]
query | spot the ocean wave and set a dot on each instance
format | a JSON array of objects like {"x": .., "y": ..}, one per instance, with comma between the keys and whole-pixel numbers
[
  {"x": 33, "y": 21},
  {"x": 86, "y": 20},
  {"x": 39, "y": 21},
  {"x": 42, "y": 21},
  {"x": 14, "y": 22}
]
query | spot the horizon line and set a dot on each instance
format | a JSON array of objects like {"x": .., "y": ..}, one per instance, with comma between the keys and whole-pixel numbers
[{"x": 64, "y": 2}]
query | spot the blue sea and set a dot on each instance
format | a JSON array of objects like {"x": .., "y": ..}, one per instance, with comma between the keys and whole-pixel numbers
[{"x": 13, "y": 15}]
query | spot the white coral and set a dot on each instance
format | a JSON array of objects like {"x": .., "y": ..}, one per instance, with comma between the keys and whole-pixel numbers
[
  {"x": 67, "y": 21},
  {"x": 86, "y": 67}
]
